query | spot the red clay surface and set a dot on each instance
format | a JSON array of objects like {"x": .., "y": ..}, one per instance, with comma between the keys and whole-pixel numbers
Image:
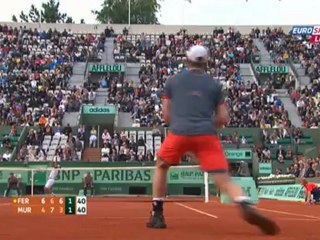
[{"x": 124, "y": 218}]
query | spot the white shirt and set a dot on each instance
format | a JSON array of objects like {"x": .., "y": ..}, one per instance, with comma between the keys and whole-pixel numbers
[
  {"x": 33, "y": 83},
  {"x": 300, "y": 103},
  {"x": 106, "y": 136},
  {"x": 6, "y": 156},
  {"x": 54, "y": 173}
]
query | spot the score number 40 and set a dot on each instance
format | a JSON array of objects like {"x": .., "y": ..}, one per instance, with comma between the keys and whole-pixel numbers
[{"x": 81, "y": 202}]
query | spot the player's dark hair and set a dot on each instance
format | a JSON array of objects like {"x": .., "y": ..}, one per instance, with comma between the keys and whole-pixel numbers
[{"x": 197, "y": 65}]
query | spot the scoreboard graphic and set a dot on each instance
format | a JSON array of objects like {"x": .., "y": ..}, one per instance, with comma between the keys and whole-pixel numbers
[{"x": 69, "y": 205}]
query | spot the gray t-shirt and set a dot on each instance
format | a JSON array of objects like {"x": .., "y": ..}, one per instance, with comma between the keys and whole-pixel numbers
[{"x": 194, "y": 98}]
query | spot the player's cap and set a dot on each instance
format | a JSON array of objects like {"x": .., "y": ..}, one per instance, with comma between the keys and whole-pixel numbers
[{"x": 198, "y": 54}]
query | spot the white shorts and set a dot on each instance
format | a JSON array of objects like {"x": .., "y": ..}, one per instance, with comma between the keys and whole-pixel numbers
[{"x": 49, "y": 183}]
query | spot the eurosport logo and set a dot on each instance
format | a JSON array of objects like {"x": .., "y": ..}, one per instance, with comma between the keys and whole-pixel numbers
[{"x": 305, "y": 30}]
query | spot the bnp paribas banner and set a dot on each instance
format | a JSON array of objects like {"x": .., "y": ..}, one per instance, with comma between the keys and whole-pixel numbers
[{"x": 191, "y": 175}]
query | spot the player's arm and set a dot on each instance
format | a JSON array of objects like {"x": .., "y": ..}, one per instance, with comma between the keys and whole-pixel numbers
[
  {"x": 307, "y": 193},
  {"x": 166, "y": 110},
  {"x": 221, "y": 110},
  {"x": 308, "y": 196},
  {"x": 222, "y": 115},
  {"x": 166, "y": 101}
]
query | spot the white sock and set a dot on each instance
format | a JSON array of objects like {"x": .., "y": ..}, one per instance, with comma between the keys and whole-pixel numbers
[
  {"x": 241, "y": 199},
  {"x": 157, "y": 199}
]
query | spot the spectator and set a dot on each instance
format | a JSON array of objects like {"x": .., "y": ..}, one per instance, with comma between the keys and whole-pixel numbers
[
  {"x": 297, "y": 135},
  {"x": 265, "y": 135},
  {"x": 78, "y": 145},
  {"x": 289, "y": 154},
  {"x": 88, "y": 184},
  {"x": 302, "y": 169},
  {"x": 6, "y": 142},
  {"x": 67, "y": 130},
  {"x": 6, "y": 156},
  {"x": 243, "y": 140},
  {"x": 243, "y": 170},
  {"x": 40, "y": 154},
  {"x": 259, "y": 153},
  {"x": 295, "y": 170},
  {"x": 23, "y": 153},
  {"x": 106, "y": 137},
  {"x": 93, "y": 137},
  {"x": 266, "y": 155},
  {"x": 280, "y": 158},
  {"x": 13, "y": 183},
  {"x": 81, "y": 131},
  {"x": 278, "y": 171},
  {"x": 310, "y": 172},
  {"x": 280, "y": 154},
  {"x": 32, "y": 153},
  {"x": 274, "y": 138}
]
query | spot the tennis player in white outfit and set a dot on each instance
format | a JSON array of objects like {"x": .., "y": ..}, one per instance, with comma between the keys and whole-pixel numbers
[{"x": 51, "y": 179}]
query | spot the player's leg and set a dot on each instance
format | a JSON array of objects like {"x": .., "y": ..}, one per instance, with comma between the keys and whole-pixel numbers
[
  {"x": 251, "y": 215},
  {"x": 169, "y": 154},
  {"x": 48, "y": 186},
  {"x": 316, "y": 195},
  {"x": 85, "y": 189},
  {"x": 8, "y": 191},
  {"x": 18, "y": 190},
  {"x": 47, "y": 190},
  {"x": 212, "y": 159}
]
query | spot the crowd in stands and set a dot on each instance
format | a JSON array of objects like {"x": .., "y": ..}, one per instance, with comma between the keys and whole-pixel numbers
[
  {"x": 304, "y": 167},
  {"x": 274, "y": 142},
  {"x": 280, "y": 148},
  {"x": 35, "y": 68},
  {"x": 285, "y": 47},
  {"x": 255, "y": 107},
  {"x": 46, "y": 143},
  {"x": 164, "y": 55},
  {"x": 307, "y": 101},
  {"x": 123, "y": 147}
]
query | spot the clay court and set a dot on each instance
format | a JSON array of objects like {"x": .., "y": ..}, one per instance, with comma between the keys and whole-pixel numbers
[{"x": 187, "y": 219}]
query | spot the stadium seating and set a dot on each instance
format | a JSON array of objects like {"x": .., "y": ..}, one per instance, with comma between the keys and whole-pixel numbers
[
  {"x": 162, "y": 55},
  {"x": 137, "y": 145},
  {"x": 284, "y": 48},
  {"x": 159, "y": 57},
  {"x": 47, "y": 59},
  {"x": 40, "y": 69}
]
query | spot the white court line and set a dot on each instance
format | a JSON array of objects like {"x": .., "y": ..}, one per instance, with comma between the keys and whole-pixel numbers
[
  {"x": 299, "y": 219},
  {"x": 196, "y": 210},
  {"x": 289, "y": 214},
  {"x": 133, "y": 218}
]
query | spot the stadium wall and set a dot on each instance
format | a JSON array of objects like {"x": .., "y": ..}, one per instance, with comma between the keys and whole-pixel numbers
[
  {"x": 123, "y": 181},
  {"x": 136, "y": 29}
]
